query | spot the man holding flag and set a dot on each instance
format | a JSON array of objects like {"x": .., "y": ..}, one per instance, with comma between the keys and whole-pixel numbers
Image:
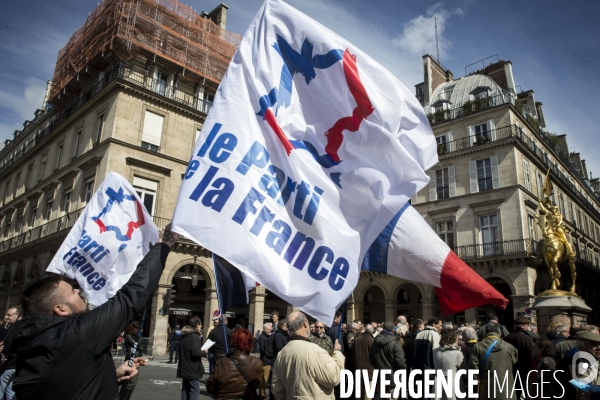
[{"x": 63, "y": 349}]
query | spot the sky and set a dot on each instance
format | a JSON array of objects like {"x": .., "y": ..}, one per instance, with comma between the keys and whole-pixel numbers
[{"x": 553, "y": 46}]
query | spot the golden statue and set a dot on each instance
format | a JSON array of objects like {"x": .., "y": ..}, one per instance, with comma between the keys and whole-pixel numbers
[{"x": 556, "y": 247}]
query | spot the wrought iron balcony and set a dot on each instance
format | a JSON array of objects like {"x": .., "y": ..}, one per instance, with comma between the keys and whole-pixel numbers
[
  {"x": 519, "y": 247},
  {"x": 60, "y": 224}
]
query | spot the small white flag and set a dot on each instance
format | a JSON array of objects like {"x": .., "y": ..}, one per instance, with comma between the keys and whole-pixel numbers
[{"x": 109, "y": 239}]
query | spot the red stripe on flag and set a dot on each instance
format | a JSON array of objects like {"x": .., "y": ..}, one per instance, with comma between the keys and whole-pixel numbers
[
  {"x": 270, "y": 118},
  {"x": 463, "y": 288},
  {"x": 335, "y": 134}
]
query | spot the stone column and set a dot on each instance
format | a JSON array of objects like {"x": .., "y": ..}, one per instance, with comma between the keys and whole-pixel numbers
[
  {"x": 158, "y": 322},
  {"x": 390, "y": 310},
  {"x": 427, "y": 309},
  {"x": 257, "y": 308},
  {"x": 350, "y": 312},
  {"x": 291, "y": 309},
  {"x": 211, "y": 303},
  {"x": 471, "y": 316}
]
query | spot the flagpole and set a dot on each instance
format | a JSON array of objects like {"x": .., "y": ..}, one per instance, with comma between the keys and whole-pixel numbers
[
  {"x": 341, "y": 321},
  {"x": 134, "y": 349},
  {"x": 219, "y": 300}
]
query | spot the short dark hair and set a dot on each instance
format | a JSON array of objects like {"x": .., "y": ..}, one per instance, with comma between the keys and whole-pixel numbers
[
  {"x": 132, "y": 328},
  {"x": 195, "y": 321},
  {"x": 39, "y": 297},
  {"x": 416, "y": 323},
  {"x": 338, "y": 314},
  {"x": 448, "y": 336},
  {"x": 492, "y": 316},
  {"x": 433, "y": 321},
  {"x": 546, "y": 346},
  {"x": 275, "y": 313}
]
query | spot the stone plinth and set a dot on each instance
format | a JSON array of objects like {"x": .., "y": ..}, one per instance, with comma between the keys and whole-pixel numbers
[{"x": 549, "y": 307}]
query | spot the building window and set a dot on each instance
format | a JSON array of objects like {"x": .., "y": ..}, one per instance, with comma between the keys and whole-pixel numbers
[
  {"x": 531, "y": 225},
  {"x": 561, "y": 205},
  {"x": 571, "y": 212},
  {"x": 586, "y": 226},
  {"x": 43, "y": 166},
  {"x": 67, "y": 202},
  {"x": 481, "y": 95},
  {"x": 153, "y": 126},
  {"x": 162, "y": 81},
  {"x": 445, "y": 231},
  {"x": 579, "y": 219},
  {"x": 6, "y": 191},
  {"x": 419, "y": 90},
  {"x": 48, "y": 210},
  {"x": 484, "y": 174},
  {"x": 482, "y": 131},
  {"x": 17, "y": 185},
  {"x": 89, "y": 190},
  {"x": 19, "y": 224},
  {"x": 442, "y": 186},
  {"x": 29, "y": 174},
  {"x": 99, "y": 128},
  {"x": 32, "y": 217},
  {"x": 488, "y": 227},
  {"x": 59, "y": 154},
  {"x": 147, "y": 191},
  {"x": 526, "y": 175},
  {"x": 77, "y": 141},
  {"x": 540, "y": 184}
]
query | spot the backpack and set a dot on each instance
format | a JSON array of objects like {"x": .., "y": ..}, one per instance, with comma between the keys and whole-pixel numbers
[{"x": 270, "y": 346}]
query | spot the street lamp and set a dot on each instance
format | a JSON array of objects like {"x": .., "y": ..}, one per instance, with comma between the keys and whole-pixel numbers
[{"x": 195, "y": 274}]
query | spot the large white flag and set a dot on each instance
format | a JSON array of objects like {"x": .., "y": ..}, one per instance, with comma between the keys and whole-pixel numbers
[
  {"x": 110, "y": 238},
  {"x": 309, "y": 150}
]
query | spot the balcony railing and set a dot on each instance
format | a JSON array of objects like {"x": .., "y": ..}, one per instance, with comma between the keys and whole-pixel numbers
[
  {"x": 59, "y": 224},
  {"x": 473, "y": 106},
  {"x": 121, "y": 71},
  {"x": 473, "y": 141},
  {"x": 519, "y": 247},
  {"x": 56, "y": 225}
]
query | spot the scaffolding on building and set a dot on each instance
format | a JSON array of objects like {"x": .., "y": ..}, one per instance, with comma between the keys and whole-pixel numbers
[{"x": 164, "y": 28}]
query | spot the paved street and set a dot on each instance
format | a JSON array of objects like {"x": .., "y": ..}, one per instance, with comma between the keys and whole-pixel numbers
[{"x": 158, "y": 381}]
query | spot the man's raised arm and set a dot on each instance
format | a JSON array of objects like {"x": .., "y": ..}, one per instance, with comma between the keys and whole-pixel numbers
[{"x": 101, "y": 325}]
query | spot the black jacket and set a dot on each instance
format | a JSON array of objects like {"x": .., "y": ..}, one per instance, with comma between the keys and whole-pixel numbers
[
  {"x": 190, "y": 354},
  {"x": 387, "y": 353},
  {"x": 218, "y": 336},
  {"x": 264, "y": 341},
  {"x": 68, "y": 357},
  {"x": 129, "y": 342},
  {"x": 9, "y": 353},
  {"x": 281, "y": 339}
]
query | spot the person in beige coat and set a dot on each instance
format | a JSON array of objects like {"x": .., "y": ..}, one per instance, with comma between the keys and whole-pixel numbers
[{"x": 302, "y": 369}]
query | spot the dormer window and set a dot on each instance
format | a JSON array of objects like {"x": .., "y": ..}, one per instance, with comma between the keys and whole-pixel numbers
[
  {"x": 480, "y": 92},
  {"x": 481, "y": 95}
]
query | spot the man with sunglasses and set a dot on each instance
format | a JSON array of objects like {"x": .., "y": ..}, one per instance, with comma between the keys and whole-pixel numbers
[{"x": 321, "y": 339}]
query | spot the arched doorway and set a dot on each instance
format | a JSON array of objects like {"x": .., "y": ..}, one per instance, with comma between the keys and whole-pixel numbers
[
  {"x": 505, "y": 317},
  {"x": 188, "y": 283},
  {"x": 374, "y": 306},
  {"x": 408, "y": 299}
]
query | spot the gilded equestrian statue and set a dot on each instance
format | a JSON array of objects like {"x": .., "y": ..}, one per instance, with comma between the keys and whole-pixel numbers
[{"x": 556, "y": 247}]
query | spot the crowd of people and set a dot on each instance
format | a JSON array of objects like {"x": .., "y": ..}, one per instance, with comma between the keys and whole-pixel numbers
[{"x": 53, "y": 347}]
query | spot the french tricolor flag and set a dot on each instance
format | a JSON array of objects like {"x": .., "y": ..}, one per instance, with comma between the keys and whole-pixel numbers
[{"x": 409, "y": 249}]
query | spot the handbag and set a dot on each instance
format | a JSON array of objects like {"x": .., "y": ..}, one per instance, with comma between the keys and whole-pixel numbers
[{"x": 485, "y": 358}]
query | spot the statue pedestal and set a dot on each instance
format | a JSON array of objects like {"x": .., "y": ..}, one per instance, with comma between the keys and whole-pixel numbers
[{"x": 550, "y": 308}]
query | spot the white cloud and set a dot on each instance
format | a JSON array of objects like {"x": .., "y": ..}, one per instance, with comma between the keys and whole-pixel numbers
[
  {"x": 25, "y": 103},
  {"x": 418, "y": 35}
]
